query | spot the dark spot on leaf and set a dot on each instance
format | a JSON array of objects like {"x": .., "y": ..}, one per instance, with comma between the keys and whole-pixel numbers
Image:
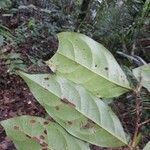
[
  {"x": 57, "y": 107},
  {"x": 51, "y": 119},
  {"x": 65, "y": 101},
  {"x": 90, "y": 121},
  {"x": 45, "y": 132},
  {"x": 44, "y": 144},
  {"x": 36, "y": 139},
  {"x": 42, "y": 137},
  {"x": 88, "y": 124},
  {"x": 46, "y": 78},
  {"x": 28, "y": 136},
  {"x": 44, "y": 148},
  {"x": 69, "y": 122},
  {"x": 32, "y": 121},
  {"x": 95, "y": 65},
  {"x": 72, "y": 105},
  {"x": 106, "y": 68},
  {"x": 46, "y": 122},
  {"x": 16, "y": 128}
]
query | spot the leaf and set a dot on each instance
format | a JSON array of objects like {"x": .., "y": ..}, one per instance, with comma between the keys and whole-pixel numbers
[
  {"x": 143, "y": 75},
  {"x": 86, "y": 62},
  {"x": 5, "y": 32},
  {"x": 78, "y": 111},
  {"x": 4, "y": 4},
  {"x": 1, "y": 40},
  {"x": 34, "y": 133},
  {"x": 147, "y": 147}
]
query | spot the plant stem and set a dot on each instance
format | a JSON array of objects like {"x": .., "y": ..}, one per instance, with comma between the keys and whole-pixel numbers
[
  {"x": 144, "y": 122},
  {"x": 138, "y": 117}
]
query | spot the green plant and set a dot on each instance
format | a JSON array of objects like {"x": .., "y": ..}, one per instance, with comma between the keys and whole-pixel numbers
[
  {"x": 5, "y": 3},
  {"x": 10, "y": 58},
  {"x": 84, "y": 72},
  {"x": 119, "y": 25}
]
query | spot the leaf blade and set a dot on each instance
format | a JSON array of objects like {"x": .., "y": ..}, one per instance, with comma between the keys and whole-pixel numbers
[
  {"x": 39, "y": 133},
  {"x": 75, "y": 109},
  {"x": 86, "y": 62},
  {"x": 147, "y": 147},
  {"x": 142, "y": 74}
]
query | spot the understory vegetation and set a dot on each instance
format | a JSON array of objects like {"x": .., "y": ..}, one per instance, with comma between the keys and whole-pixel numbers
[{"x": 74, "y": 74}]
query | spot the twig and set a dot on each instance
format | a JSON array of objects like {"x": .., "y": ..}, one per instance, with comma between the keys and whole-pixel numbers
[
  {"x": 136, "y": 59},
  {"x": 138, "y": 113},
  {"x": 144, "y": 122},
  {"x": 31, "y": 6}
]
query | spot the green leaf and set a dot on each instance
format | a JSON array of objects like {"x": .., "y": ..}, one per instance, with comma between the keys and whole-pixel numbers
[
  {"x": 143, "y": 75},
  {"x": 147, "y": 147},
  {"x": 1, "y": 40},
  {"x": 5, "y": 32},
  {"x": 86, "y": 62},
  {"x": 5, "y": 3},
  {"x": 34, "y": 133},
  {"x": 78, "y": 111}
]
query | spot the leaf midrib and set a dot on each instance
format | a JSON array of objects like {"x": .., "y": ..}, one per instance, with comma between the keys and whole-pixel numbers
[{"x": 128, "y": 88}]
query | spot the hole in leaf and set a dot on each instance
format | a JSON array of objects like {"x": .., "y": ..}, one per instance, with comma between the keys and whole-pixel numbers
[{"x": 106, "y": 68}]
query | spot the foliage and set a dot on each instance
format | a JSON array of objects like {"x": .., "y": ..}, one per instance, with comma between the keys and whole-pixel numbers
[
  {"x": 34, "y": 133},
  {"x": 114, "y": 23},
  {"x": 12, "y": 59},
  {"x": 142, "y": 74},
  {"x": 70, "y": 104},
  {"x": 119, "y": 25},
  {"x": 5, "y": 3},
  {"x": 5, "y": 35},
  {"x": 39, "y": 23}
]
